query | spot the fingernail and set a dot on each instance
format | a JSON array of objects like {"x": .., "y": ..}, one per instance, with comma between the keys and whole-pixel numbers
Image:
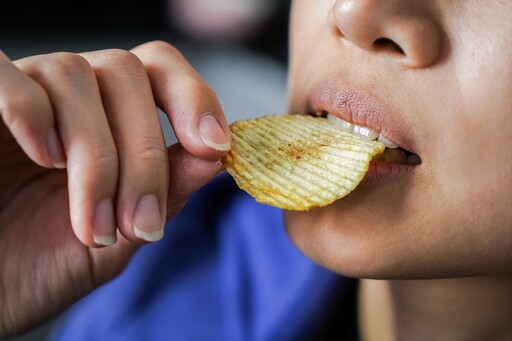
[
  {"x": 55, "y": 149},
  {"x": 147, "y": 220},
  {"x": 104, "y": 224},
  {"x": 212, "y": 133}
]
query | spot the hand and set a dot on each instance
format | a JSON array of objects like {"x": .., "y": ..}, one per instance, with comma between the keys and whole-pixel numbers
[{"x": 84, "y": 165}]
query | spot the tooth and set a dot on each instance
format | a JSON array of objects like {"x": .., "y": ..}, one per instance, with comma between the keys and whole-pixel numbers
[
  {"x": 331, "y": 118},
  {"x": 387, "y": 142},
  {"x": 345, "y": 126},
  {"x": 365, "y": 132},
  {"x": 338, "y": 122},
  {"x": 395, "y": 155}
]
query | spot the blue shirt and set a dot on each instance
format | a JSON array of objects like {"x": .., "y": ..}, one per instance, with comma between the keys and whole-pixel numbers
[{"x": 225, "y": 270}]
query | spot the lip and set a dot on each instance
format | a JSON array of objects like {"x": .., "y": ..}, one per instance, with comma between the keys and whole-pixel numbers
[
  {"x": 358, "y": 107},
  {"x": 379, "y": 171}
]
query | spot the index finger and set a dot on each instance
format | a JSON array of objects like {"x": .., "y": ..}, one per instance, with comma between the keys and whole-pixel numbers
[{"x": 189, "y": 102}]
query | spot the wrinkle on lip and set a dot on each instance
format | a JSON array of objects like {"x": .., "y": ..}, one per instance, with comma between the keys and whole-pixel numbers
[{"x": 362, "y": 105}]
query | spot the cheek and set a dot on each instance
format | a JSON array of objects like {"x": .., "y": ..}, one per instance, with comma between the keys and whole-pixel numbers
[
  {"x": 473, "y": 178},
  {"x": 307, "y": 35},
  {"x": 475, "y": 160},
  {"x": 470, "y": 149}
]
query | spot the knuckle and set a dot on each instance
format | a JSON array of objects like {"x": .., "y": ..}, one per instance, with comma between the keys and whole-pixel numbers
[
  {"x": 153, "y": 156},
  {"x": 122, "y": 58},
  {"x": 160, "y": 46},
  {"x": 153, "y": 153},
  {"x": 66, "y": 65},
  {"x": 123, "y": 63},
  {"x": 95, "y": 164},
  {"x": 105, "y": 157}
]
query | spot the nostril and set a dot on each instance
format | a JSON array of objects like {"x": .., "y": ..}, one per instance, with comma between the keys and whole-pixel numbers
[{"x": 387, "y": 45}]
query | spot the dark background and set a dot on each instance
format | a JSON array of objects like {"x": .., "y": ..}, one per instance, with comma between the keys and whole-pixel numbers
[{"x": 25, "y": 20}]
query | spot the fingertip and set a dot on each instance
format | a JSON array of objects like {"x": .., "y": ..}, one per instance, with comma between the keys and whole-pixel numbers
[
  {"x": 104, "y": 224},
  {"x": 55, "y": 149},
  {"x": 148, "y": 222},
  {"x": 213, "y": 134},
  {"x": 104, "y": 240},
  {"x": 148, "y": 236}
]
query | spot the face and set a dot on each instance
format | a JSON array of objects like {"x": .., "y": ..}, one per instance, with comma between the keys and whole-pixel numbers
[{"x": 435, "y": 78}]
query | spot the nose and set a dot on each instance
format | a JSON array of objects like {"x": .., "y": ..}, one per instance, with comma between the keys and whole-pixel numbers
[{"x": 401, "y": 29}]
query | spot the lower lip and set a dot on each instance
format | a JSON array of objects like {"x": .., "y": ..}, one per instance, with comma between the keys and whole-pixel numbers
[{"x": 379, "y": 171}]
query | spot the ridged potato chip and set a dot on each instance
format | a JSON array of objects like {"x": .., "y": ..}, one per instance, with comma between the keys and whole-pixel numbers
[{"x": 297, "y": 162}]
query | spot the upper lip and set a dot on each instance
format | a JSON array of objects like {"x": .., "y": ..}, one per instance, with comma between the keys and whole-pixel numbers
[{"x": 358, "y": 107}]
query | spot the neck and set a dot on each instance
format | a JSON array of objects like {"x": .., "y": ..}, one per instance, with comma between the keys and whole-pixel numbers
[{"x": 449, "y": 309}]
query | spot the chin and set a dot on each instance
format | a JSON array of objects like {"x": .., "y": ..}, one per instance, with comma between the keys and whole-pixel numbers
[
  {"x": 380, "y": 232},
  {"x": 352, "y": 236}
]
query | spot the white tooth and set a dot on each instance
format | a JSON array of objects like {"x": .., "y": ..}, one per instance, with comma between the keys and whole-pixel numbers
[
  {"x": 387, "y": 142},
  {"x": 365, "y": 132},
  {"x": 345, "y": 126},
  {"x": 331, "y": 118},
  {"x": 338, "y": 122}
]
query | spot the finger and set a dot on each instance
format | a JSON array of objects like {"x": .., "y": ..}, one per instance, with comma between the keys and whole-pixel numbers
[
  {"x": 191, "y": 105},
  {"x": 187, "y": 174},
  {"x": 92, "y": 157},
  {"x": 27, "y": 112},
  {"x": 133, "y": 117}
]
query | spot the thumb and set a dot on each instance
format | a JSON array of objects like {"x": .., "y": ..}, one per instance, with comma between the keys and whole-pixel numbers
[{"x": 187, "y": 174}]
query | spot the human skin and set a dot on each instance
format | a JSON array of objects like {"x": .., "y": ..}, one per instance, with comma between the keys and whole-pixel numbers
[
  {"x": 439, "y": 85},
  {"x": 83, "y": 165},
  {"x": 446, "y": 97}
]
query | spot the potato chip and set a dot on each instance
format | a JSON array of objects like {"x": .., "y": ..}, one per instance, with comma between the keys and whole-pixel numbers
[{"x": 297, "y": 162}]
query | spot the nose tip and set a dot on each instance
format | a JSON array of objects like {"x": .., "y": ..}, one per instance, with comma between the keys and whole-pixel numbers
[
  {"x": 352, "y": 20},
  {"x": 394, "y": 28}
]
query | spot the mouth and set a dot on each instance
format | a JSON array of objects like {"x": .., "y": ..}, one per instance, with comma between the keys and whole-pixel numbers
[
  {"x": 359, "y": 113},
  {"x": 393, "y": 152}
]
